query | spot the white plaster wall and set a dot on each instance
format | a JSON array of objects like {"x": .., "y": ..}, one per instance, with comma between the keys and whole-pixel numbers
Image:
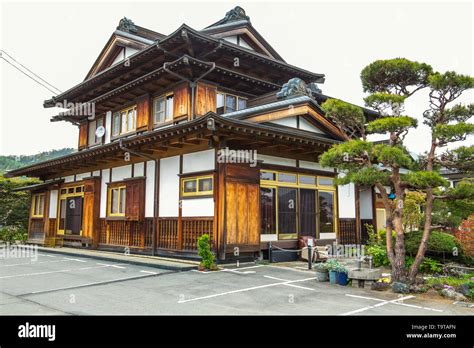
[
  {"x": 82, "y": 176},
  {"x": 346, "y": 201},
  {"x": 53, "y": 204},
  {"x": 277, "y": 160},
  {"x": 96, "y": 173},
  {"x": 69, "y": 178},
  {"x": 138, "y": 169},
  {"x": 169, "y": 187},
  {"x": 305, "y": 125},
  {"x": 103, "y": 192},
  {"x": 149, "y": 188},
  {"x": 366, "y": 211},
  {"x": 108, "y": 126},
  {"x": 120, "y": 173},
  {"x": 198, "y": 207},
  {"x": 287, "y": 121},
  {"x": 198, "y": 161},
  {"x": 315, "y": 166}
]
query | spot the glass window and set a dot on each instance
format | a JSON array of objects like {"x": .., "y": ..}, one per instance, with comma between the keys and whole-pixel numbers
[
  {"x": 200, "y": 186},
  {"x": 100, "y": 123},
  {"x": 326, "y": 212},
  {"x": 116, "y": 124},
  {"x": 242, "y": 104},
  {"x": 326, "y": 181},
  {"x": 169, "y": 108},
  {"x": 285, "y": 177},
  {"x": 230, "y": 103},
  {"x": 38, "y": 205},
  {"x": 190, "y": 186},
  {"x": 307, "y": 211},
  {"x": 267, "y": 175},
  {"x": 205, "y": 185},
  {"x": 117, "y": 201},
  {"x": 267, "y": 210},
  {"x": 159, "y": 110},
  {"x": 307, "y": 180},
  {"x": 92, "y": 128},
  {"x": 287, "y": 210}
]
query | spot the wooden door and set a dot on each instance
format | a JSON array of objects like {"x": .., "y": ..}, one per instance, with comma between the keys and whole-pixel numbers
[
  {"x": 73, "y": 216},
  {"x": 242, "y": 217}
]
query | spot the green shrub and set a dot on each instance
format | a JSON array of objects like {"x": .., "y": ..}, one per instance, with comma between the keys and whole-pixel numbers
[
  {"x": 204, "y": 250},
  {"x": 11, "y": 234},
  {"x": 438, "y": 243},
  {"x": 428, "y": 265},
  {"x": 379, "y": 255}
]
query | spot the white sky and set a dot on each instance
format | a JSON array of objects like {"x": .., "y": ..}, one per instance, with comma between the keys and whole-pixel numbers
[{"x": 59, "y": 41}]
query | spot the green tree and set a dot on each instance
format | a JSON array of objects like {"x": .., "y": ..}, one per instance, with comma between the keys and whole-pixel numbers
[{"x": 390, "y": 83}]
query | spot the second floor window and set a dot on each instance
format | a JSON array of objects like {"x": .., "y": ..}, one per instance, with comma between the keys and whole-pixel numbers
[
  {"x": 93, "y": 125},
  {"x": 229, "y": 103},
  {"x": 163, "y": 109},
  {"x": 116, "y": 204},
  {"x": 124, "y": 121}
]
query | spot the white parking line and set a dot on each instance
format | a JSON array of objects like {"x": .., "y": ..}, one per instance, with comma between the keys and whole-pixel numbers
[
  {"x": 383, "y": 303},
  {"x": 114, "y": 266},
  {"x": 148, "y": 272},
  {"x": 245, "y": 289},
  {"x": 397, "y": 303},
  {"x": 51, "y": 272},
  {"x": 291, "y": 285},
  {"x": 70, "y": 259},
  {"x": 33, "y": 263}
]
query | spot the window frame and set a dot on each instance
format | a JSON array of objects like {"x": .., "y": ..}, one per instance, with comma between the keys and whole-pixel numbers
[
  {"x": 34, "y": 200},
  {"x": 165, "y": 111},
  {"x": 121, "y": 188},
  {"x": 197, "y": 193},
  {"x": 237, "y": 100},
  {"x": 124, "y": 113}
]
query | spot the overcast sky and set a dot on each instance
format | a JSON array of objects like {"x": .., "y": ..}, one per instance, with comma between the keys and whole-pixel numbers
[{"x": 60, "y": 41}]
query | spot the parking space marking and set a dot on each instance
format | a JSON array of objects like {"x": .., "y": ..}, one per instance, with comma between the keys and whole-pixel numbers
[
  {"x": 233, "y": 270},
  {"x": 380, "y": 304},
  {"x": 245, "y": 289},
  {"x": 148, "y": 272},
  {"x": 114, "y": 266},
  {"x": 291, "y": 285},
  {"x": 51, "y": 272},
  {"x": 397, "y": 303},
  {"x": 32, "y": 263},
  {"x": 289, "y": 268},
  {"x": 70, "y": 259}
]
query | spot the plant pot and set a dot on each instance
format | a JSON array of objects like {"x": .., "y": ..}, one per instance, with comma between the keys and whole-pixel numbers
[
  {"x": 333, "y": 277},
  {"x": 322, "y": 275},
  {"x": 342, "y": 278}
]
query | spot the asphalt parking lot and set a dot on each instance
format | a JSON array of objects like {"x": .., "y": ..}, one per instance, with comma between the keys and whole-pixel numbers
[{"x": 60, "y": 284}]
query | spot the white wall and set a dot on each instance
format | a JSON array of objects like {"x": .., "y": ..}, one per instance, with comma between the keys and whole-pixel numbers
[
  {"x": 287, "y": 121},
  {"x": 315, "y": 166},
  {"x": 149, "y": 188},
  {"x": 307, "y": 126},
  {"x": 277, "y": 160},
  {"x": 138, "y": 169},
  {"x": 198, "y": 161},
  {"x": 96, "y": 173},
  {"x": 103, "y": 192},
  {"x": 69, "y": 178},
  {"x": 53, "y": 204},
  {"x": 169, "y": 187},
  {"x": 198, "y": 207},
  {"x": 82, "y": 176},
  {"x": 346, "y": 201},
  {"x": 366, "y": 211},
  {"x": 108, "y": 126},
  {"x": 120, "y": 173}
]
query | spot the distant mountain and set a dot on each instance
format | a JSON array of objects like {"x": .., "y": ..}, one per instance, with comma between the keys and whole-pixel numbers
[{"x": 15, "y": 162}]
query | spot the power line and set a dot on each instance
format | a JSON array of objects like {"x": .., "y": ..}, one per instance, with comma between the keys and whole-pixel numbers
[{"x": 39, "y": 77}]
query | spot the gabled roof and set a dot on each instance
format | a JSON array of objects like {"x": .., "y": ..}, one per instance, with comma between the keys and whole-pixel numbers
[{"x": 236, "y": 22}]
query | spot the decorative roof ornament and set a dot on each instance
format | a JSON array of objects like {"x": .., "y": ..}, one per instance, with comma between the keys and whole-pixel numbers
[
  {"x": 236, "y": 14},
  {"x": 313, "y": 86},
  {"x": 293, "y": 88},
  {"x": 127, "y": 25}
]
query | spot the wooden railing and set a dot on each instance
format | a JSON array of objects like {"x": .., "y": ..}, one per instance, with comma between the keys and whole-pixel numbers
[
  {"x": 347, "y": 231},
  {"x": 140, "y": 234}
]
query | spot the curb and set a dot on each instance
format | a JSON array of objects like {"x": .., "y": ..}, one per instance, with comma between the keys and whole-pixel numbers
[{"x": 102, "y": 256}]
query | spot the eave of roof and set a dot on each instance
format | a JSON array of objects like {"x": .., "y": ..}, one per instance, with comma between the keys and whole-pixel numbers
[{"x": 39, "y": 186}]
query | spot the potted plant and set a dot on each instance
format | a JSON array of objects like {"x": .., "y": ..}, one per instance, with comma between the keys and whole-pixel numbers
[
  {"x": 332, "y": 265},
  {"x": 322, "y": 272},
  {"x": 342, "y": 275},
  {"x": 204, "y": 250}
]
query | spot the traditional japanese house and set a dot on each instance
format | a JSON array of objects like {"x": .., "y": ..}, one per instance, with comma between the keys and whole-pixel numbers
[{"x": 200, "y": 131}]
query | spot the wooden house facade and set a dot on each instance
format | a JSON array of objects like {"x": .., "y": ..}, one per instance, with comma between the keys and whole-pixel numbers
[{"x": 195, "y": 132}]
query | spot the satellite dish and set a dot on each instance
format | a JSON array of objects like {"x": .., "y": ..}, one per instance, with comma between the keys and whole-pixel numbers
[{"x": 100, "y": 131}]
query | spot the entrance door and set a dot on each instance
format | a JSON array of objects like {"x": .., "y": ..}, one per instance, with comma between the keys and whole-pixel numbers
[
  {"x": 307, "y": 213},
  {"x": 73, "y": 215}
]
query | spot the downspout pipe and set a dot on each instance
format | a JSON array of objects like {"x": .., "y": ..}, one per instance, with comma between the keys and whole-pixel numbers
[{"x": 155, "y": 194}]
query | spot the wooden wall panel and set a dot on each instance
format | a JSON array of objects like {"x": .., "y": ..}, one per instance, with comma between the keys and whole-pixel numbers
[
  {"x": 143, "y": 112},
  {"x": 181, "y": 101},
  {"x": 205, "y": 99},
  {"x": 231, "y": 213},
  {"x": 91, "y": 210},
  {"x": 82, "y": 136},
  {"x": 135, "y": 200}
]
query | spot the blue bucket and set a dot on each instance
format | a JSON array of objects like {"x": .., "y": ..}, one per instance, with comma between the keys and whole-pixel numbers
[
  {"x": 332, "y": 277},
  {"x": 342, "y": 278}
]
